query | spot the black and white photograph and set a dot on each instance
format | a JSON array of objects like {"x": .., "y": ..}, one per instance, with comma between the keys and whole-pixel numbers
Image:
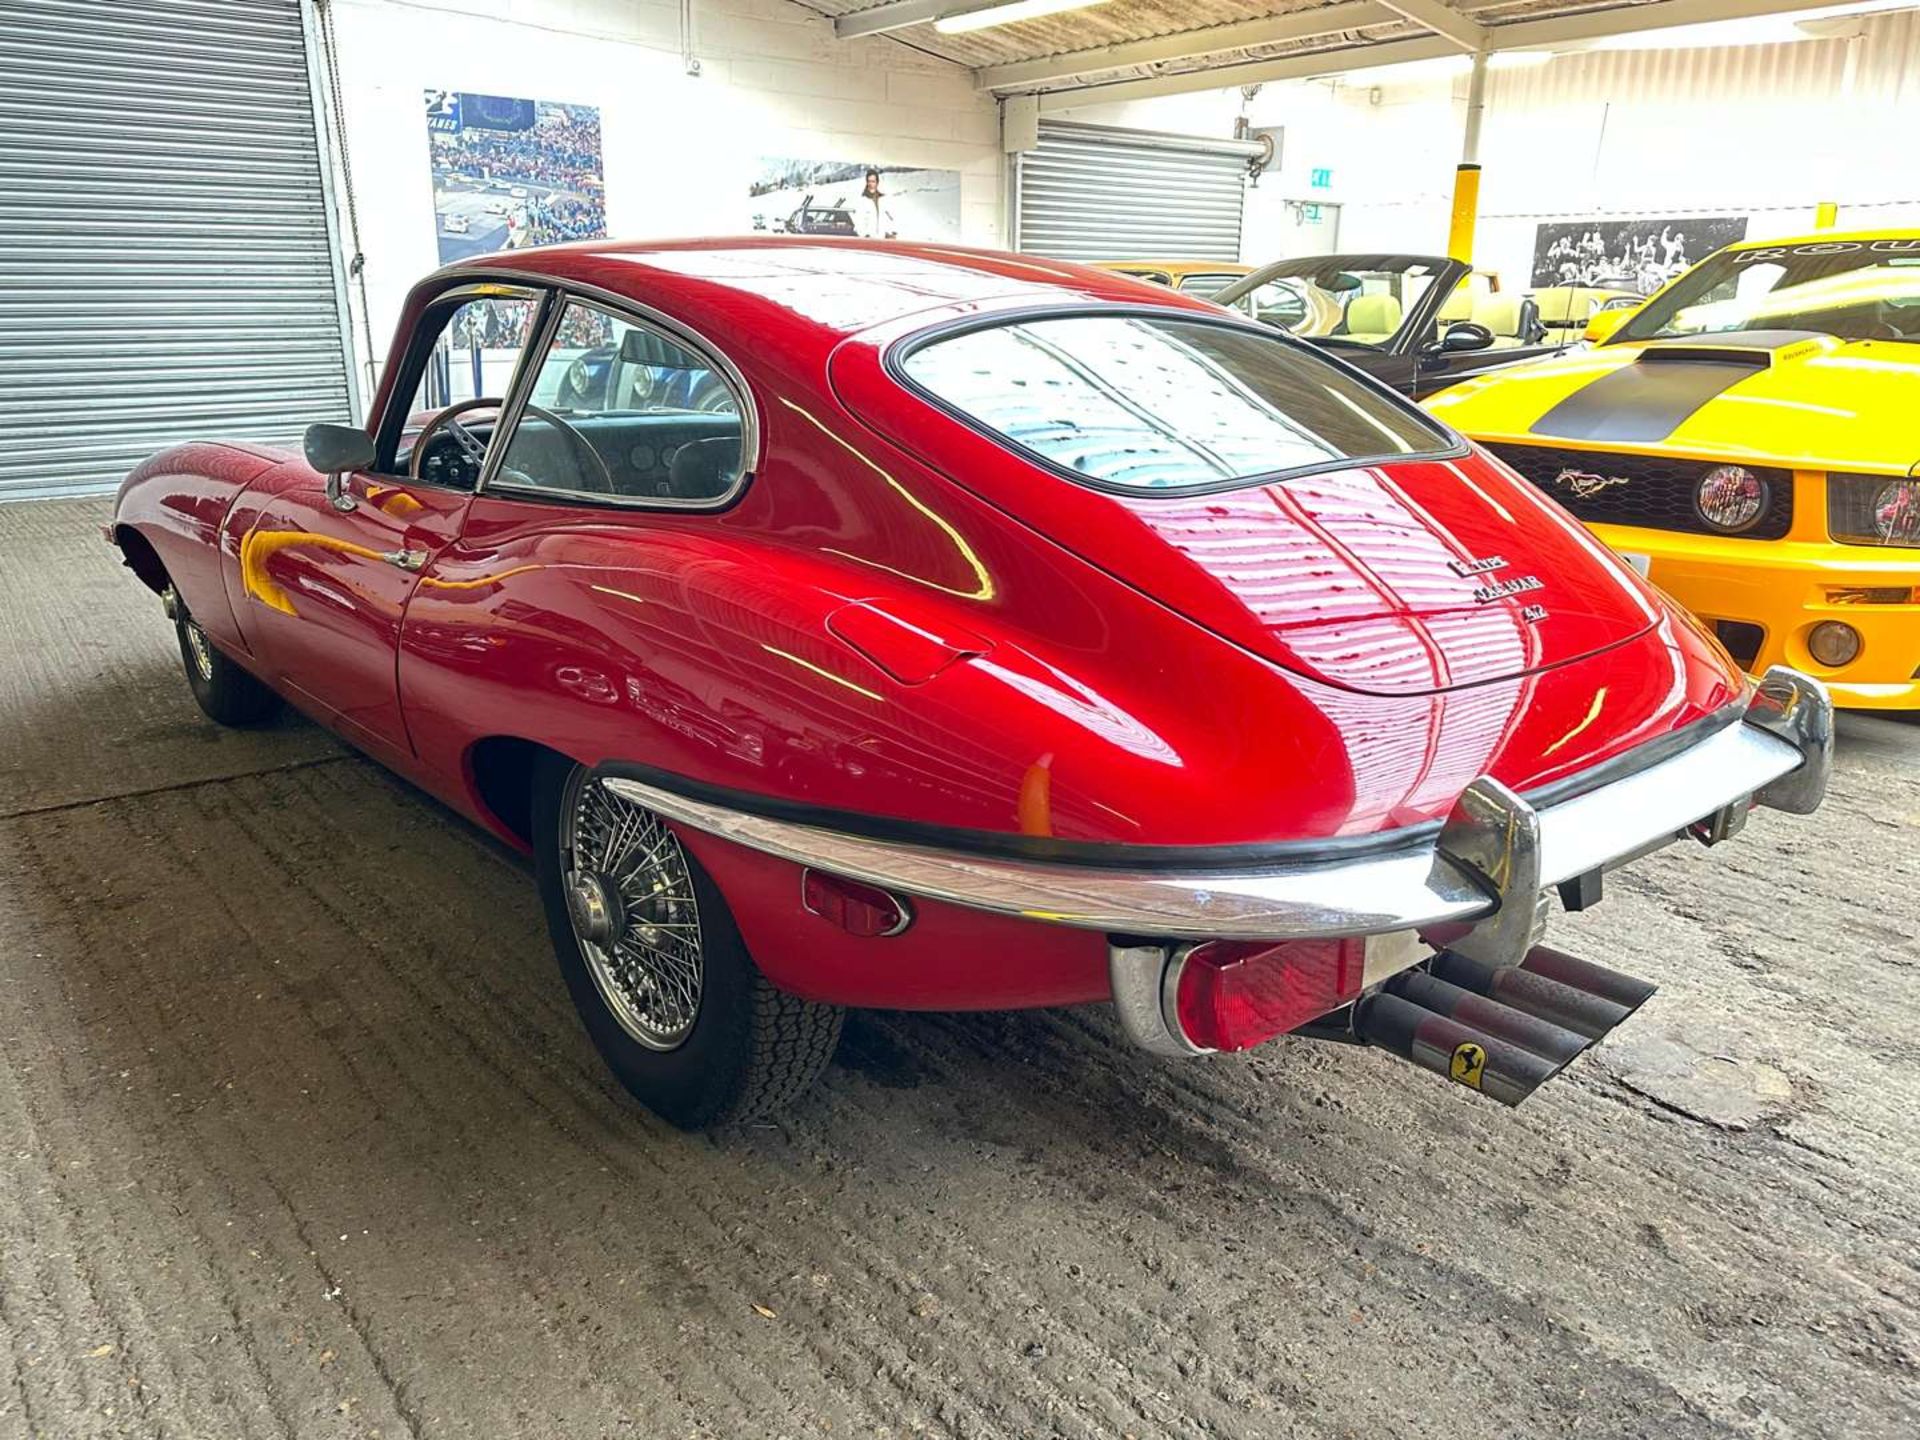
[{"x": 1629, "y": 255}]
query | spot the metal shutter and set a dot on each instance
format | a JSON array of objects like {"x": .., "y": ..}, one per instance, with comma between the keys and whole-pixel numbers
[
  {"x": 1094, "y": 193},
  {"x": 166, "y": 268}
]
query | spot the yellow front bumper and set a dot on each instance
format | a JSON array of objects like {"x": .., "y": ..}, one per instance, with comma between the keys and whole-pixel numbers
[{"x": 1786, "y": 587}]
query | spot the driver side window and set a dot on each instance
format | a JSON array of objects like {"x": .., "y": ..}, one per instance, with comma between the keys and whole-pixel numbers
[{"x": 475, "y": 350}]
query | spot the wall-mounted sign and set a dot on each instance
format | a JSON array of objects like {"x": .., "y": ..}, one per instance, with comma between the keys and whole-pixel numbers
[{"x": 1321, "y": 177}]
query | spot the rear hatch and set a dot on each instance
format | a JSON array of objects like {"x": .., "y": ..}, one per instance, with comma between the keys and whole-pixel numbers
[{"x": 1401, "y": 577}]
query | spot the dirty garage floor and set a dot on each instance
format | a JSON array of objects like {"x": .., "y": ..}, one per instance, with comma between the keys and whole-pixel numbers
[{"x": 298, "y": 1136}]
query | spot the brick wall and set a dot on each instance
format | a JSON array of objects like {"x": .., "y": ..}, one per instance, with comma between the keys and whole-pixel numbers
[{"x": 678, "y": 151}]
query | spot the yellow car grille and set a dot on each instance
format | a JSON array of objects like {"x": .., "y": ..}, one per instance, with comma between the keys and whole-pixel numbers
[{"x": 1654, "y": 491}]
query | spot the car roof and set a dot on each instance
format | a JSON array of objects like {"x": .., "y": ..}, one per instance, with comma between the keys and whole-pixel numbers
[
  {"x": 1821, "y": 237},
  {"x": 1177, "y": 267},
  {"x": 830, "y": 285}
]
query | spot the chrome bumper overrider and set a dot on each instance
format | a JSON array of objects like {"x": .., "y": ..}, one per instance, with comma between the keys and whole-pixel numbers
[{"x": 1495, "y": 850}]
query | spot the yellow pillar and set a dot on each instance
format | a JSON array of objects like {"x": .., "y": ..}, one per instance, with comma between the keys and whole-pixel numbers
[
  {"x": 1466, "y": 179},
  {"x": 1826, "y": 215},
  {"x": 1466, "y": 209}
]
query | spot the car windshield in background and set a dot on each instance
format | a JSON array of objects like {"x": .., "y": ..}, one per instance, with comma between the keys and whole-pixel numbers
[
  {"x": 1319, "y": 302},
  {"x": 1142, "y": 403},
  {"x": 1853, "y": 289}
]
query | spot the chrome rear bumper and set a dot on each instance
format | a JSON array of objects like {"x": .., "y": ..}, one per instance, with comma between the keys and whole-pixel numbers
[{"x": 1494, "y": 850}]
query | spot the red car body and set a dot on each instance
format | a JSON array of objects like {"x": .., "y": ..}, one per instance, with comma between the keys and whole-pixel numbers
[{"x": 906, "y": 631}]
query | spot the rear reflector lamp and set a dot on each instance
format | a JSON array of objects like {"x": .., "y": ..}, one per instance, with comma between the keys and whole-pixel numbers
[
  {"x": 1233, "y": 995},
  {"x": 863, "y": 910}
]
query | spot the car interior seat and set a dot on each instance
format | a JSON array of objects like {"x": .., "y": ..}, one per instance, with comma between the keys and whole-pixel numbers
[
  {"x": 1568, "y": 307},
  {"x": 1372, "y": 318},
  {"x": 703, "y": 469},
  {"x": 1513, "y": 319}
]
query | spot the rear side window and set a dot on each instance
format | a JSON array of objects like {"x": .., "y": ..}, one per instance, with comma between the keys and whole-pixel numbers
[{"x": 1135, "y": 402}]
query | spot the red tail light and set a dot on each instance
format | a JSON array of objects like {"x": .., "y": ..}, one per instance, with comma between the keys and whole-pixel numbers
[
  {"x": 1233, "y": 995},
  {"x": 864, "y": 910}
]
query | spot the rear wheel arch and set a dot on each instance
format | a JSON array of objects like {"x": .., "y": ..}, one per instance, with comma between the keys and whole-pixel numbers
[{"x": 501, "y": 771}]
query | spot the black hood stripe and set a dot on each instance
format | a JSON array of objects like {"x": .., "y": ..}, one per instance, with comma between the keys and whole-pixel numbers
[{"x": 1641, "y": 403}]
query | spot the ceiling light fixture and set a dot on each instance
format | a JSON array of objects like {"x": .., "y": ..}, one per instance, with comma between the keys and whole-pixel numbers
[{"x": 1007, "y": 14}]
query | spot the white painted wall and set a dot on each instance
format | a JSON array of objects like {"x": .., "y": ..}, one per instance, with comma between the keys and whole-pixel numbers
[
  {"x": 678, "y": 151},
  {"x": 1766, "y": 131}
]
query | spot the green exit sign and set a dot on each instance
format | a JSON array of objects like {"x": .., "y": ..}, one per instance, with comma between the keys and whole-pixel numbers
[{"x": 1321, "y": 179}]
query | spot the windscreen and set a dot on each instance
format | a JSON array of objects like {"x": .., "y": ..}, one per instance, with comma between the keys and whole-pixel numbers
[
  {"x": 1853, "y": 289},
  {"x": 1149, "y": 403}
]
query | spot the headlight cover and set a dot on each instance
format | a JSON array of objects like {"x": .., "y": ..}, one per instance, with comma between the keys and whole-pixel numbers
[
  {"x": 1874, "y": 510},
  {"x": 1731, "y": 498}
]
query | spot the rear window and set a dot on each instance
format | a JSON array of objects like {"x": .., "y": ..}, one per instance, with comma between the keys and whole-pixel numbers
[{"x": 1136, "y": 402}]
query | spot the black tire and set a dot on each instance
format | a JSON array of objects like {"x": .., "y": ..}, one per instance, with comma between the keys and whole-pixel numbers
[
  {"x": 749, "y": 1048},
  {"x": 225, "y": 691}
]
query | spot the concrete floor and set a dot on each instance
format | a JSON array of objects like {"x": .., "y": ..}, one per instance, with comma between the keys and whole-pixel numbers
[{"x": 298, "y": 1136}]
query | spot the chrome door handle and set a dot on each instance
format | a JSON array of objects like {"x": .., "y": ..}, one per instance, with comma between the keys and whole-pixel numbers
[{"x": 405, "y": 559}]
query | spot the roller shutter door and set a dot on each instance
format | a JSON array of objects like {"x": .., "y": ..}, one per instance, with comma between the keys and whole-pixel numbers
[
  {"x": 1089, "y": 192},
  {"x": 166, "y": 270}
]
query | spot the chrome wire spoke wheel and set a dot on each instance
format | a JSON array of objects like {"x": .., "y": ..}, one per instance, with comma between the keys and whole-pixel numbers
[
  {"x": 631, "y": 901},
  {"x": 198, "y": 647}
]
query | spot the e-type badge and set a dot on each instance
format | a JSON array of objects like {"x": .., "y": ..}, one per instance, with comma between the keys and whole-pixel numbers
[{"x": 1477, "y": 567}]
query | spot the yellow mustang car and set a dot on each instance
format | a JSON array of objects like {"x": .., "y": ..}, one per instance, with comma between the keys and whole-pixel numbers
[{"x": 1749, "y": 439}]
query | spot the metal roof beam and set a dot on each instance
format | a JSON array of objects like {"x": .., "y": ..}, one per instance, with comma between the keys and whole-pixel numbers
[
  {"x": 1442, "y": 20},
  {"x": 894, "y": 15},
  {"x": 1188, "y": 44},
  {"x": 1563, "y": 30}
]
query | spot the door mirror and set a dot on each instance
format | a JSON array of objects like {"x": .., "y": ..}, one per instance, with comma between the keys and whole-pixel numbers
[
  {"x": 1603, "y": 323},
  {"x": 332, "y": 449},
  {"x": 1462, "y": 336}
]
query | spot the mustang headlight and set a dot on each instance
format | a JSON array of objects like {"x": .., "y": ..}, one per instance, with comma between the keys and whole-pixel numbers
[
  {"x": 1873, "y": 510},
  {"x": 1731, "y": 498},
  {"x": 1896, "y": 512}
]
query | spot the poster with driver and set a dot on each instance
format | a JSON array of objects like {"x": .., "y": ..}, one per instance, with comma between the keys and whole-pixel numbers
[{"x": 1637, "y": 256}]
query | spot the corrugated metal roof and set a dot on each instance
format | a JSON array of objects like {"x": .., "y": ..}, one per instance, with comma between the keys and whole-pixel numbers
[
  {"x": 1103, "y": 24},
  {"x": 1063, "y": 37}
]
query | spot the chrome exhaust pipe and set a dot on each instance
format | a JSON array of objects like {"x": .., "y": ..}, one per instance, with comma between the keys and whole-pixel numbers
[{"x": 1504, "y": 1031}]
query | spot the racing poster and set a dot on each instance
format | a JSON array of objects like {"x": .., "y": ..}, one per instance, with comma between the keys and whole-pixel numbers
[
  {"x": 849, "y": 197},
  {"x": 509, "y": 172},
  {"x": 1637, "y": 256}
]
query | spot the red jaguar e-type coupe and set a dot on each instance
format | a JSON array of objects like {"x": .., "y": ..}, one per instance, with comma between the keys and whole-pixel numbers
[{"x": 994, "y": 633}]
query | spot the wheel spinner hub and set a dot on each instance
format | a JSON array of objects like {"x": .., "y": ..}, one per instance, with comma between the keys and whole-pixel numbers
[{"x": 599, "y": 914}]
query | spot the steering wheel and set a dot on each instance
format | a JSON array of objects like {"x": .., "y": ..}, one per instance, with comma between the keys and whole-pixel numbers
[{"x": 474, "y": 450}]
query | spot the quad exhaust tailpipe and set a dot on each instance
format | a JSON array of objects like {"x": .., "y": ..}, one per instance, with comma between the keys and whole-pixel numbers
[{"x": 1502, "y": 1030}]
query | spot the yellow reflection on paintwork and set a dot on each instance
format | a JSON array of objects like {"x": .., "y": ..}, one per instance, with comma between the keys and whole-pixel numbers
[
  {"x": 258, "y": 546},
  {"x": 983, "y": 591},
  {"x": 825, "y": 674},
  {"x": 1593, "y": 714},
  {"x": 1034, "y": 809},
  {"x": 436, "y": 583},
  {"x": 619, "y": 594},
  {"x": 393, "y": 500}
]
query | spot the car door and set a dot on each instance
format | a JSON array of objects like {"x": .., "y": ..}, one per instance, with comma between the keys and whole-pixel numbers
[{"x": 328, "y": 567}]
